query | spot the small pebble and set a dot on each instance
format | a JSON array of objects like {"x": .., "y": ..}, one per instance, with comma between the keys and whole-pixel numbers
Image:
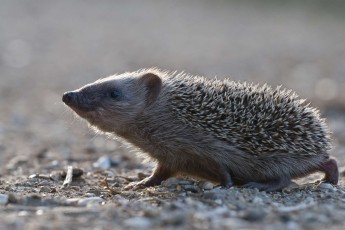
[
  {"x": 104, "y": 162},
  {"x": 142, "y": 176},
  {"x": 285, "y": 217},
  {"x": 75, "y": 188},
  {"x": 44, "y": 176},
  {"x": 88, "y": 194},
  {"x": 214, "y": 194},
  {"x": 138, "y": 223},
  {"x": 44, "y": 183},
  {"x": 39, "y": 212},
  {"x": 327, "y": 186},
  {"x": 191, "y": 188},
  {"x": 341, "y": 192},
  {"x": 257, "y": 200},
  {"x": 72, "y": 201},
  {"x": 174, "y": 218},
  {"x": 171, "y": 182},
  {"x": 56, "y": 175},
  {"x": 12, "y": 198},
  {"x": 23, "y": 213},
  {"x": 207, "y": 185},
  {"x": 151, "y": 212},
  {"x": 218, "y": 201},
  {"x": 3, "y": 199},
  {"x": 45, "y": 189},
  {"x": 292, "y": 225},
  {"x": 90, "y": 200},
  {"x": 120, "y": 199},
  {"x": 54, "y": 163},
  {"x": 185, "y": 182},
  {"x": 254, "y": 215},
  {"x": 94, "y": 192},
  {"x": 33, "y": 176}
]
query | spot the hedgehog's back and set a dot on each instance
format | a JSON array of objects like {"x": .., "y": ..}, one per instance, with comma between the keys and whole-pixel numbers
[{"x": 257, "y": 119}]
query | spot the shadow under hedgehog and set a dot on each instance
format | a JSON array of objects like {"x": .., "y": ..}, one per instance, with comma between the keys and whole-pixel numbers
[{"x": 228, "y": 132}]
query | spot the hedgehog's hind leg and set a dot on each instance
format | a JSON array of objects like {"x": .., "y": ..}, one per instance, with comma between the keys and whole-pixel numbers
[
  {"x": 225, "y": 178},
  {"x": 330, "y": 168},
  {"x": 269, "y": 186}
]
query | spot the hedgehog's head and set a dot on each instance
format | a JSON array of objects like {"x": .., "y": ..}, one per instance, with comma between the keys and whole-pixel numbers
[{"x": 113, "y": 103}]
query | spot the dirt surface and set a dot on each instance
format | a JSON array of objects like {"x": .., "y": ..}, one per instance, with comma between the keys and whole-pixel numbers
[{"x": 49, "y": 47}]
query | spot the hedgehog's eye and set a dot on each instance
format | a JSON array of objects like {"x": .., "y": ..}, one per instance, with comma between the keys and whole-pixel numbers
[{"x": 115, "y": 94}]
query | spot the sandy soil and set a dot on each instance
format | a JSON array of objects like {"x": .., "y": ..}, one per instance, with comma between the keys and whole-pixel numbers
[{"x": 49, "y": 47}]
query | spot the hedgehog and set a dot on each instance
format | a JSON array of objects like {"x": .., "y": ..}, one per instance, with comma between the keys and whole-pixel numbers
[{"x": 224, "y": 131}]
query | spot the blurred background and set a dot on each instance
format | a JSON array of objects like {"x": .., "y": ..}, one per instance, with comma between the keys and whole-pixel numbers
[{"x": 49, "y": 47}]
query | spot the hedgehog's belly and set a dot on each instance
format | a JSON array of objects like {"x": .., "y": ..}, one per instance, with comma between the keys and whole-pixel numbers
[
  {"x": 275, "y": 166},
  {"x": 244, "y": 167},
  {"x": 199, "y": 167}
]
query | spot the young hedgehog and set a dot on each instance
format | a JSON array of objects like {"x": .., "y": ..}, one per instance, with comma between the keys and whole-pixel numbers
[{"x": 224, "y": 131}]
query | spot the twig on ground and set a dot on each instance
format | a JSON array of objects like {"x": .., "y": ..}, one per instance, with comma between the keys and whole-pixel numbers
[
  {"x": 69, "y": 176},
  {"x": 105, "y": 182},
  {"x": 127, "y": 178}
]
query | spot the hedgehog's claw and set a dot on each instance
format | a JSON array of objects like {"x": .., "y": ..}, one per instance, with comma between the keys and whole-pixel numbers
[{"x": 147, "y": 182}]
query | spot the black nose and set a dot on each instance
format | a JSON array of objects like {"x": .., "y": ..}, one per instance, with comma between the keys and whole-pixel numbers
[{"x": 68, "y": 97}]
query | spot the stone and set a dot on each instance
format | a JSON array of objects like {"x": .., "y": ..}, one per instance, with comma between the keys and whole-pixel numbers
[
  {"x": 138, "y": 223},
  {"x": 90, "y": 200},
  {"x": 215, "y": 194},
  {"x": 253, "y": 215},
  {"x": 207, "y": 185},
  {"x": 191, "y": 188},
  {"x": 45, "y": 189},
  {"x": 327, "y": 186},
  {"x": 3, "y": 199},
  {"x": 104, "y": 162},
  {"x": 171, "y": 182}
]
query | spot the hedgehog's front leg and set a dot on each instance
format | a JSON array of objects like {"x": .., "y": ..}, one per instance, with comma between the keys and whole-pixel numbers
[
  {"x": 330, "y": 168},
  {"x": 160, "y": 174}
]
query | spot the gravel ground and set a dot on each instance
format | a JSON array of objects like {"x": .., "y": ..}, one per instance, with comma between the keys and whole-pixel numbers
[{"x": 48, "y": 47}]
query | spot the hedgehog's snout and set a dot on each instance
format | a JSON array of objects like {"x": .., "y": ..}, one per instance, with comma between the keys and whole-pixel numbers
[
  {"x": 77, "y": 101},
  {"x": 73, "y": 99},
  {"x": 68, "y": 97}
]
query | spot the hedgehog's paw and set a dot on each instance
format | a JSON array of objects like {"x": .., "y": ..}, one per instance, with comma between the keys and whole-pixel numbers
[
  {"x": 330, "y": 168},
  {"x": 133, "y": 186},
  {"x": 153, "y": 180},
  {"x": 160, "y": 173},
  {"x": 269, "y": 186},
  {"x": 226, "y": 181},
  {"x": 140, "y": 185}
]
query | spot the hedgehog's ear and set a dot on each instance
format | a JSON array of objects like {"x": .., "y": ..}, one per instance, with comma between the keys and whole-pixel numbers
[{"x": 153, "y": 83}]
